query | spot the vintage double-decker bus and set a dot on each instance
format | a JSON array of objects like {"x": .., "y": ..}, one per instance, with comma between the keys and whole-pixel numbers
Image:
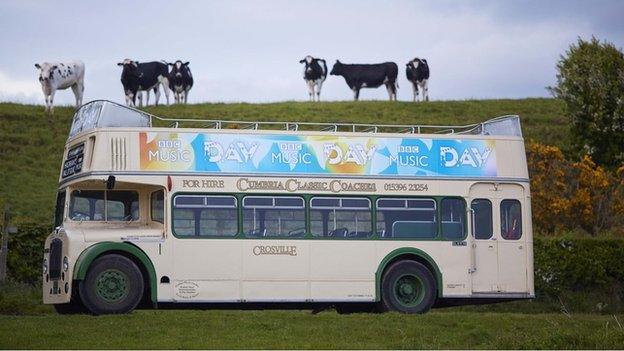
[{"x": 237, "y": 212}]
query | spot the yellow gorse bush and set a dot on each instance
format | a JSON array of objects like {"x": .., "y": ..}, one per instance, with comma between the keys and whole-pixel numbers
[{"x": 570, "y": 195}]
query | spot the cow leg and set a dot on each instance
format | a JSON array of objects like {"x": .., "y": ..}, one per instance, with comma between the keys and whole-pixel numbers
[
  {"x": 75, "y": 89},
  {"x": 310, "y": 84},
  {"x": 47, "y": 102},
  {"x": 319, "y": 85},
  {"x": 165, "y": 84},
  {"x": 131, "y": 98},
  {"x": 356, "y": 94},
  {"x": 156, "y": 94},
  {"x": 389, "y": 89},
  {"x": 415, "y": 90},
  {"x": 51, "y": 101},
  {"x": 425, "y": 88},
  {"x": 81, "y": 91}
]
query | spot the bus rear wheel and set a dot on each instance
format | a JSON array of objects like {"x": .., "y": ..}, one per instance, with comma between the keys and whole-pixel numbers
[
  {"x": 408, "y": 287},
  {"x": 113, "y": 284}
]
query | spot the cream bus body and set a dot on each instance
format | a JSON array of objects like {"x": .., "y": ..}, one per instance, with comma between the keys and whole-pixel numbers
[{"x": 104, "y": 172}]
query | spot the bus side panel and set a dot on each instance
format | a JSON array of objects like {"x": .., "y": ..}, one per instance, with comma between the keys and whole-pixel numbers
[{"x": 342, "y": 270}]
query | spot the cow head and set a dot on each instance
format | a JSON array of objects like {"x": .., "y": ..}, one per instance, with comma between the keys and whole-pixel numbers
[
  {"x": 178, "y": 68},
  {"x": 129, "y": 67},
  {"x": 337, "y": 69},
  {"x": 413, "y": 64},
  {"x": 308, "y": 63},
  {"x": 46, "y": 71}
]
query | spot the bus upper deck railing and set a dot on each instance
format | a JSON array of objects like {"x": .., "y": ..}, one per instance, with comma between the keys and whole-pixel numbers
[{"x": 103, "y": 113}]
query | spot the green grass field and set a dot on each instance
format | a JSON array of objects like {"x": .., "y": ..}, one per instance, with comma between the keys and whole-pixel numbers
[
  {"x": 210, "y": 329},
  {"x": 31, "y": 144}
]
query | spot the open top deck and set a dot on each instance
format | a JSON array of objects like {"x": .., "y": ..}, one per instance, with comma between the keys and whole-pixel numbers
[{"x": 106, "y": 114}]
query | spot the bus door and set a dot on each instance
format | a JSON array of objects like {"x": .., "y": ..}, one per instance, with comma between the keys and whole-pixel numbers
[
  {"x": 484, "y": 245},
  {"x": 499, "y": 250},
  {"x": 512, "y": 251}
]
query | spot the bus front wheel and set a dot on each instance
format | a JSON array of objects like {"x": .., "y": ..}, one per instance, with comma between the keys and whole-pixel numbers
[
  {"x": 113, "y": 284},
  {"x": 407, "y": 287}
]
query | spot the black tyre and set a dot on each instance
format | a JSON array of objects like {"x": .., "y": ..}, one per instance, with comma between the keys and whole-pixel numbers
[
  {"x": 408, "y": 287},
  {"x": 113, "y": 284}
]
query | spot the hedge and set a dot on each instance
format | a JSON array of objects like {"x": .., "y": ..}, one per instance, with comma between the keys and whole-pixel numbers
[{"x": 588, "y": 266}]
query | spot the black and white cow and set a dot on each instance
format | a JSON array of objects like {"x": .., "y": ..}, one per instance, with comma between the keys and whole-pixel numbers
[
  {"x": 314, "y": 73},
  {"x": 360, "y": 76},
  {"x": 417, "y": 72},
  {"x": 59, "y": 76},
  {"x": 180, "y": 80},
  {"x": 137, "y": 77}
]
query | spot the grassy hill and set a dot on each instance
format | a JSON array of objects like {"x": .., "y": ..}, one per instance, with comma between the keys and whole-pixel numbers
[{"x": 31, "y": 144}]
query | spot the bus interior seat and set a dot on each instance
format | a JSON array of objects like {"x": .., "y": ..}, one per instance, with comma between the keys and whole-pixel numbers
[{"x": 338, "y": 233}]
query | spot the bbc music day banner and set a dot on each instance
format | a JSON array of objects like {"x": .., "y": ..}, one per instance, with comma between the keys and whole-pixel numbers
[{"x": 318, "y": 155}]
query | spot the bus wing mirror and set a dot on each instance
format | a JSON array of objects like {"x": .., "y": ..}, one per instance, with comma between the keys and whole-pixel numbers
[{"x": 110, "y": 182}]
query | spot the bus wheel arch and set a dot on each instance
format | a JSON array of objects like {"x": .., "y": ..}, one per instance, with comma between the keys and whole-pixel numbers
[
  {"x": 407, "y": 254},
  {"x": 127, "y": 250}
]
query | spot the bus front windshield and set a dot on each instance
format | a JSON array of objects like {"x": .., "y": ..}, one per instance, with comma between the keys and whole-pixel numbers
[{"x": 104, "y": 205}]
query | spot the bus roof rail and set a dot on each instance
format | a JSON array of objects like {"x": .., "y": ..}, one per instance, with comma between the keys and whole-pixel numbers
[{"x": 103, "y": 113}]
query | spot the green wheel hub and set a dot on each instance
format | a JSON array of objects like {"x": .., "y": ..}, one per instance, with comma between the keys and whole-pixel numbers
[
  {"x": 111, "y": 285},
  {"x": 409, "y": 290}
]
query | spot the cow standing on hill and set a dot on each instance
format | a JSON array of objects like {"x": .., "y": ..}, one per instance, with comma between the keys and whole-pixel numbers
[
  {"x": 360, "y": 76},
  {"x": 314, "y": 73},
  {"x": 59, "y": 76},
  {"x": 417, "y": 72},
  {"x": 137, "y": 77},
  {"x": 180, "y": 80}
]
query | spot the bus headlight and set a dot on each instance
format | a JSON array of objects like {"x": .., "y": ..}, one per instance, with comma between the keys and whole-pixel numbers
[
  {"x": 45, "y": 266},
  {"x": 65, "y": 263}
]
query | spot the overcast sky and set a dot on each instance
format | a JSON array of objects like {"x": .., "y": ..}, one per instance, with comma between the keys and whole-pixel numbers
[{"x": 249, "y": 50}]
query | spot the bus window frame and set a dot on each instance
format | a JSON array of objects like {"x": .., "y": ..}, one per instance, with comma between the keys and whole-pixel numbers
[
  {"x": 151, "y": 194},
  {"x": 184, "y": 237},
  {"x": 371, "y": 209},
  {"x": 106, "y": 220},
  {"x": 491, "y": 217},
  {"x": 307, "y": 197},
  {"x": 241, "y": 218},
  {"x": 435, "y": 209}
]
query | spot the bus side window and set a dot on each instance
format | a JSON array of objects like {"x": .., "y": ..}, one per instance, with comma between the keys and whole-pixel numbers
[
  {"x": 279, "y": 216},
  {"x": 205, "y": 216},
  {"x": 511, "y": 219},
  {"x": 483, "y": 228},
  {"x": 406, "y": 218},
  {"x": 340, "y": 217},
  {"x": 157, "y": 209},
  {"x": 453, "y": 218}
]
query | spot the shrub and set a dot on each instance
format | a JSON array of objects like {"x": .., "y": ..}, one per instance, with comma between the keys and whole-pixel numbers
[
  {"x": 587, "y": 272},
  {"x": 590, "y": 81},
  {"x": 26, "y": 252},
  {"x": 570, "y": 195}
]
